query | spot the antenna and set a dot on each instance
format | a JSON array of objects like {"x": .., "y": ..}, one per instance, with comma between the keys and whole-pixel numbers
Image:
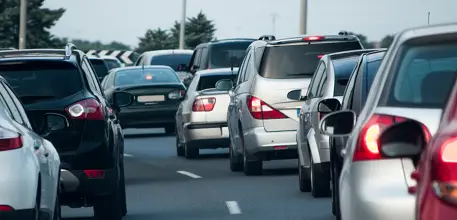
[{"x": 428, "y": 19}]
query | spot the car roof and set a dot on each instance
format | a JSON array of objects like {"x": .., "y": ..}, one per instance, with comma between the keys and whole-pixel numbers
[
  {"x": 142, "y": 67},
  {"x": 94, "y": 58},
  {"x": 424, "y": 31},
  {"x": 167, "y": 52},
  {"x": 219, "y": 71},
  {"x": 38, "y": 54},
  {"x": 299, "y": 39},
  {"x": 348, "y": 53}
]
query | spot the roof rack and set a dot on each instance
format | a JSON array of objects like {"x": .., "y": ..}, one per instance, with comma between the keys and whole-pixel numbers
[
  {"x": 69, "y": 50},
  {"x": 343, "y": 33},
  {"x": 10, "y": 53},
  {"x": 267, "y": 37}
]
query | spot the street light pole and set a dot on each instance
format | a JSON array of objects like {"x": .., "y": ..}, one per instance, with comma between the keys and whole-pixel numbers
[
  {"x": 23, "y": 24},
  {"x": 303, "y": 16},
  {"x": 183, "y": 25}
]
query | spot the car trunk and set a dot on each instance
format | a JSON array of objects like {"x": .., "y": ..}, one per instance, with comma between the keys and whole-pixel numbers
[
  {"x": 150, "y": 96},
  {"x": 219, "y": 112},
  {"x": 429, "y": 117},
  {"x": 278, "y": 99}
]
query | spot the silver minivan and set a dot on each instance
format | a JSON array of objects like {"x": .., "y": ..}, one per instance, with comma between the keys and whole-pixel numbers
[{"x": 262, "y": 117}]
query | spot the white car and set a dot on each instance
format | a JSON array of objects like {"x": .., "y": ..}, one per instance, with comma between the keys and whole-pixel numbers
[{"x": 30, "y": 165}]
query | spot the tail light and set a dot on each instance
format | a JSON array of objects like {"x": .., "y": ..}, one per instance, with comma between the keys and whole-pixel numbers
[
  {"x": 367, "y": 146},
  {"x": 177, "y": 94},
  {"x": 444, "y": 173},
  {"x": 89, "y": 109},
  {"x": 94, "y": 174},
  {"x": 9, "y": 140},
  {"x": 6, "y": 208},
  {"x": 204, "y": 104},
  {"x": 261, "y": 110},
  {"x": 313, "y": 38}
]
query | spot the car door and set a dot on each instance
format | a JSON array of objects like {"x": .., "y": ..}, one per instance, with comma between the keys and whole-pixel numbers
[
  {"x": 312, "y": 97},
  {"x": 185, "y": 107},
  {"x": 315, "y": 116},
  {"x": 238, "y": 91}
]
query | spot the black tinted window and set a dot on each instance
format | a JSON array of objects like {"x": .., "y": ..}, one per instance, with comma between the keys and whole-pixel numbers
[
  {"x": 372, "y": 68},
  {"x": 227, "y": 54},
  {"x": 172, "y": 60},
  {"x": 298, "y": 61},
  {"x": 209, "y": 82},
  {"x": 343, "y": 69},
  {"x": 112, "y": 64},
  {"x": 100, "y": 67},
  {"x": 146, "y": 76},
  {"x": 42, "y": 80},
  {"x": 424, "y": 77}
]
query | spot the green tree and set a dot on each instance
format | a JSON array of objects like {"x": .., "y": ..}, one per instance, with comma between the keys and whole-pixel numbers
[
  {"x": 199, "y": 29},
  {"x": 157, "y": 39},
  {"x": 86, "y": 45},
  {"x": 363, "y": 39},
  {"x": 39, "y": 21},
  {"x": 387, "y": 41}
]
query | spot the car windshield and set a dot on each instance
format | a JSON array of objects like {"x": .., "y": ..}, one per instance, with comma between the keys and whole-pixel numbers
[
  {"x": 146, "y": 76},
  {"x": 298, "y": 60},
  {"x": 343, "y": 69},
  {"x": 228, "y": 54},
  {"x": 424, "y": 77},
  {"x": 112, "y": 64},
  {"x": 171, "y": 60},
  {"x": 35, "y": 81},
  {"x": 101, "y": 68},
  {"x": 209, "y": 81}
]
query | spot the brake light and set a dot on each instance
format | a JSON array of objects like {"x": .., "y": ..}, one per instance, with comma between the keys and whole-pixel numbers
[
  {"x": 204, "y": 104},
  {"x": 320, "y": 56},
  {"x": 261, "y": 110},
  {"x": 313, "y": 38},
  {"x": 177, "y": 94},
  {"x": 6, "y": 208},
  {"x": 444, "y": 173},
  {"x": 9, "y": 140},
  {"x": 89, "y": 109},
  {"x": 94, "y": 174}
]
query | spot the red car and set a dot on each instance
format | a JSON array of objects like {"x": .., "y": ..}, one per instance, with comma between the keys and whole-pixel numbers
[{"x": 435, "y": 159}]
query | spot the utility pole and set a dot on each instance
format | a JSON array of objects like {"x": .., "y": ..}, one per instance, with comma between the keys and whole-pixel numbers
[
  {"x": 23, "y": 24},
  {"x": 183, "y": 25},
  {"x": 273, "y": 21},
  {"x": 428, "y": 19},
  {"x": 303, "y": 16}
]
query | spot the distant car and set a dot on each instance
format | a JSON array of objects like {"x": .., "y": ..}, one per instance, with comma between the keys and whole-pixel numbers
[
  {"x": 414, "y": 81},
  {"x": 201, "y": 120},
  {"x": 156, "y": 91},
  {"x": 172, "y": 58},
  {"x": 329, "y": 80},
  {"x": 30, "y": 179},
  {"x": 112, "y": 62},
  {"x": 100, "y": 66},
  {"x": 262, "y": 116}
]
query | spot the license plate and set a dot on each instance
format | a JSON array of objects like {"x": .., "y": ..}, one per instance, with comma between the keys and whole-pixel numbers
[
  {"x": 151, "y": 98},
  {"x": 298, "y": 112}
]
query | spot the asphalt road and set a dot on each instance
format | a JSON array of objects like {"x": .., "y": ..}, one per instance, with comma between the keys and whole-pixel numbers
[{"x": 162, "y": 186}]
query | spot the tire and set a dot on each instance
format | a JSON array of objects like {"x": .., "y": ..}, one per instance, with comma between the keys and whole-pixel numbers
[
  {"x": 304, "y": 181},
  {"x": 191, "y": 152},
  {"x": 236, "y": 162},
  {"x": 123, "y": 194},
  {"x": 179, "y": 149},
  {"x": 251, "y": 168},
  {"x": 170, "y": 129},
  {"x": 320, "y": 186},
  {"x": 109, "y": 207}
]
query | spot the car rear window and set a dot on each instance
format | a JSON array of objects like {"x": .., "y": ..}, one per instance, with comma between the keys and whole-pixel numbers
[
  {"x": 228, "y": 54},
  {"x": 171, "y": 60},
  {"x": 146, "y": 76},
  {"x": 298, "y": 60},
  {"x": 424, "y": 77},
  {"x": 101, "y": 68},
  {"x": 112, "y": 64},
  {"x": 35, "y": 81},
  {"x": 343, "y": 69},
  {"x": 209, "y": 82}
]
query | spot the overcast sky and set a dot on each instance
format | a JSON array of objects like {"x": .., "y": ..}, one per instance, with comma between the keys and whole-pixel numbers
[{"x": 126, "y": 20}]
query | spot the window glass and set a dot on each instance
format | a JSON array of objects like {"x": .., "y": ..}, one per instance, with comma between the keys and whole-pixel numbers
[
  {"x": 171, "y": 60},
  {"x": 228, "y": 54},
  {"x": 343, "y": 69},
  {"x": 145, "y": 76}
]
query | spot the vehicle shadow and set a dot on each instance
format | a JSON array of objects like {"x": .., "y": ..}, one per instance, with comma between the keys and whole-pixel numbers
[
  {"x": 148, "y": 135},
  {"x": 280, "y": 172},
  {"x": 212, "y": 156}
]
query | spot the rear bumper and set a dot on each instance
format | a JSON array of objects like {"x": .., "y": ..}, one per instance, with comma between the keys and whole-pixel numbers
[
  {"x": 262, "y": 145},
  {"x": 148, "y": 117},
  {"x": 21, "y": 214},
  {"x": 206, "y": 135}
]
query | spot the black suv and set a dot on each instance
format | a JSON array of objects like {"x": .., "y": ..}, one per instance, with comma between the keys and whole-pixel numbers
[{"x": 91, "y": 147}]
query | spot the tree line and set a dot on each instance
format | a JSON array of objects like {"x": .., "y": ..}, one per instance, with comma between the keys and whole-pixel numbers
[{"x": 198, "y": 29}]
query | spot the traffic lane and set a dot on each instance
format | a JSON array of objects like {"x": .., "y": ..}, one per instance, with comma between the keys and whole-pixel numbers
[{"x": 274, "y": 194}]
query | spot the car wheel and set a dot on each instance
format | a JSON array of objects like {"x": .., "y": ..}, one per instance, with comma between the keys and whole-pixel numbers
[
  {"x": 179, "y": 148},
  {"x": 319, "y": 184},
  {"x": 251, "y": 168},
  {"x": 122, "y": 192},
  {"x": 109, "y": 207},
  {"x": 191, "y": 152},
  {"x": 236, "y": 162},
  {"x": 303, "y": 178}
]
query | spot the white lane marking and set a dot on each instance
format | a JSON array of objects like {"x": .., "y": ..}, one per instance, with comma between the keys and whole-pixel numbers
[
  {"x": 128, "y": 155},
  {"x": 233, "y": 207},
  {"x": 189, "y": 174}
]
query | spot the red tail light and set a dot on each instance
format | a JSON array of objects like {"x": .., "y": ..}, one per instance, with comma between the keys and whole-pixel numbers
[
  {"x": 10, "y": 140},
  {"x": 367, "y": 145},
  {"x": 261, "y": 110},
  {"x": 204, "y": 104},
  {"x": 444, "y": 173},
  {"x": 89, "y": 109},
  {"x": 94, "y": 174},
  {"x": 320, "y": 56},
  {"x": 6, "y": 208},
  {"x": 313, "y": 38}
]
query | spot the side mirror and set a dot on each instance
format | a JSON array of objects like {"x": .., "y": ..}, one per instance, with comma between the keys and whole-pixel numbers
[
  {"x": 182, "y": 67},
  {"x": 406, "y": 139},
  {"x": 338, "y": 123},
  {"x": 298, "y": 95},
  {"x": 54, "y": 122},
  {"x": 224, "y": 85},
  {"x": 328, "y": 105},
  {"x": 122, "y": 99}
]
